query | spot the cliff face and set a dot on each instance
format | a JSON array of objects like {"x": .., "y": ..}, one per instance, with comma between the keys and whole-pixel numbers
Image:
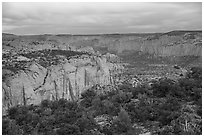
[
  {"x": 175, "y": 43},
  {"x": 65, "y": 80},
  {"x": 163, "y": 46}
]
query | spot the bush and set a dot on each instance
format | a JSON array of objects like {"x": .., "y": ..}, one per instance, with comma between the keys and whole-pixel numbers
[
  {"x": 86, "y": 123},
  {"x": 139, "y": 90},
  {"x": 126, "y": 88},
  {"x": 87, "y": 98},
  {"x": 121, "y": 97},
  {"x": 109, "y": 108},
  {"x": 169, "y": 103},
  {"x": 72, "y": 106},
  {"x": 195, "y": 73},
  {"x": 13, "y": 112},
  {"x": 62, "y": 103},
  {"x": 192, "y": 89},
  {"x": 162, "y": 87},
  {"x": 45, "y": 118},
  {"x": 67, "y": 129},
  {"x": 45, "y": 104},
  {"x": 9, "y": 127},
  {"x": 19, "y": 113},
  {"x": 188, "y": 122},
  {"x": 46, "y": 125},
  {"x": 90, "y": 93},
  {"x": 122, "y": 124}
]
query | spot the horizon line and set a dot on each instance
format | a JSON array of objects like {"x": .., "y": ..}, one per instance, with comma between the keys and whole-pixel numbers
[{"x": 113, "y": 33}]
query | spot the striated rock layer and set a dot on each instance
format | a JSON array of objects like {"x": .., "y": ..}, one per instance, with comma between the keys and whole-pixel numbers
[
  {"x": 65, "y": 80},
  {"x": 175, "y": 43}
]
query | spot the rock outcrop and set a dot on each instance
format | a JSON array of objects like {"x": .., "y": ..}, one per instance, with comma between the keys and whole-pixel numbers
[
  {"x": 175, "y": 43},
  {"x": 163, "y": 46},
  {"x": 67, "y": 80}
]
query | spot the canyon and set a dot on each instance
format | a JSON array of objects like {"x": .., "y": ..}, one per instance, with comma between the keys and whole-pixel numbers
[{"x": 39, "y": 67}]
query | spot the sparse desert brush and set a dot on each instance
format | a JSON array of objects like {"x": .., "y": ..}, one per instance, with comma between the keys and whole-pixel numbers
[
  {"x": 189, "y": 122},
  {"x": 176, "y": 107}
]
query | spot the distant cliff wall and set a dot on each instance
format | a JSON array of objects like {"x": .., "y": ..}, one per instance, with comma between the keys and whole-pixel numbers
[{"x": 164, "y": 46}]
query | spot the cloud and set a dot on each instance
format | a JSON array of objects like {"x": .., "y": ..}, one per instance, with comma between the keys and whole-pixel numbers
[{"x": 86, "y": 18}]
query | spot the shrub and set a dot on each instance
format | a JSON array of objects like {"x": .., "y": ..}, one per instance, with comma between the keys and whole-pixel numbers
[
  {"x": 191, "y": 89},
  {"x": 139, "y": 109},
  {"x": 139, "y": 90},
  {"x": 19, "y": 113},
  {"x": 47, "y": 124},
  {"x": 13, "y": 112},
  {"x": 62, "y": 103},
  {"x": 9, "y": 127},
  {"x": 90, "y": 93},
  {"x": 167, "y": 103},
  {"x": 162, "y": 87},
  {"x": 70, "y": 105},
  {"x": 126, "y": 88},
  {"x": 131, "y": 108},
  {"x": 188, "y": 83},
  {"x": 109, "y": 108},
  {"x": 86, "y": 123},
  {"x": 122, "y": 124},
  {"x": 54, "y": 105},
  {"x": 67, "y": 129},
  {"x": 188, "y": 121},
  {"x": 121, "y": 97},
  {"x": 87, "y": 98},
  {"x": 45, "y": 104},
  {"x": 195, "y": 73},
  {"x": 168, "y": 110}
]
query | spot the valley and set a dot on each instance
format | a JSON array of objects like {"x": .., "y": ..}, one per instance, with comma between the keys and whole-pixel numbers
[{"x": 131, "y": 80}]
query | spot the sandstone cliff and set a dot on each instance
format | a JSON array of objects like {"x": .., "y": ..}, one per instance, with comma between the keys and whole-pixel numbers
[
  {"x": 67, "y": 79},
  {"x": 175, "y": 43}
]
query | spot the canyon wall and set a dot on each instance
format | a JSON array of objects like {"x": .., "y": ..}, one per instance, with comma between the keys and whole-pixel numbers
[
  {"x": 65, "y": 80},
  {"x": 164, "y": 46},
  {"x": 167, "y": 44}
]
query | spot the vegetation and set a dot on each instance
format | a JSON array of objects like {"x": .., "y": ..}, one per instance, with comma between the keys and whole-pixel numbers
[
  {"x": 168, "y": 107},
  {"x": 49, "y": 57},
  {"x": 45, "y": 58}
]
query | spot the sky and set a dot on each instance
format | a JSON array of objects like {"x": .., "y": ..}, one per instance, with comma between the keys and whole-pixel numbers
[{"x": 97, "y": 18}]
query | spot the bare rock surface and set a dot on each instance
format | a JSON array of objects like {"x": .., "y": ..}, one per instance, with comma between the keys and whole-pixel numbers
[
  {"x": 174, "y": 43},
  {"x": 67, "y": 79}
]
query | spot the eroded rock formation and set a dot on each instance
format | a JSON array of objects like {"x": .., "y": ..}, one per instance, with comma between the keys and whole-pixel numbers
[
  {"x": 67, "y": 80},
  {"x": 175, "y": 43}
]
